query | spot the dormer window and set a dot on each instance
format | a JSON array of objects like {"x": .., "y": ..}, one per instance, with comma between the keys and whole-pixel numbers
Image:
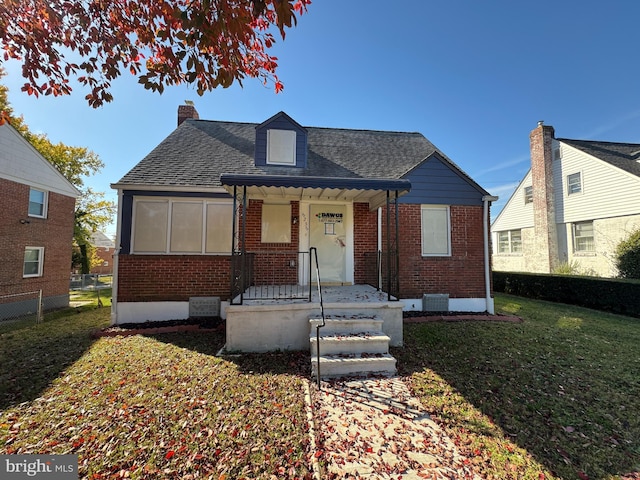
[{"x": 281, "y": 147}]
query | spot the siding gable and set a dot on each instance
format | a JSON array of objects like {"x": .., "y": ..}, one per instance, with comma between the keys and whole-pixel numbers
[
  {"x": 435, "y": 181},
  {"x": 20, "y": 162},
  {"x": 280, "y": 121},
  {"x": 607, "y": 191},
  {"x": 516, "y": 214}
]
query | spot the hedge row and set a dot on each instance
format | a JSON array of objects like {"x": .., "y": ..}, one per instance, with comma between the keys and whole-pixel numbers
[{"x": 610, "y": 295}]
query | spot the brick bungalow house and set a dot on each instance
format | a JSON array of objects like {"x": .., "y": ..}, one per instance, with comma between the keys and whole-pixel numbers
[
  {"x": 238, "y": 211},
  {"x": 36, "y": 228}
]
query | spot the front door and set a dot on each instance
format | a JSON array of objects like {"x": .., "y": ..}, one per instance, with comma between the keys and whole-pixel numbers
[{"x": 327, "y": 232}]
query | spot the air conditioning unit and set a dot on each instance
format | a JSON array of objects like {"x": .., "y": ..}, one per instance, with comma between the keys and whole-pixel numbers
[
  {"x": 204, "y": 306},
  {"x": 435, "y": 302}
]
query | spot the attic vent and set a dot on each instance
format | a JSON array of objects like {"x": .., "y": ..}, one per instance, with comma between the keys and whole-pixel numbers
[
  {"x": 557, "y": 154},
  {"x": 435, "y": 302},
  {"x": 204, "y": 306}
]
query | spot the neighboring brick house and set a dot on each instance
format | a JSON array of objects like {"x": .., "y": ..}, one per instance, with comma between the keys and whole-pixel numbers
[
  {"x": 293, "y": 188},
  {"x": 578, "y": 201},
  {"x": 36, "y": 227},
  {"x": 104, "y": 248}
]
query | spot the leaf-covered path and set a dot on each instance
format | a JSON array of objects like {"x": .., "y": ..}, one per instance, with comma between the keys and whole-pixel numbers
[{"x": 375, "y": 429}]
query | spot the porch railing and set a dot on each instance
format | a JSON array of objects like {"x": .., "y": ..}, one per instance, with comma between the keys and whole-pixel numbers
[
  {"x": 270, "y": 275},
  {"x": 381, "y": 272}
]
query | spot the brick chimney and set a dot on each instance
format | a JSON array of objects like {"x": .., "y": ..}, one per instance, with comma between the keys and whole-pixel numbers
[
  {"x": 187, "y": 111},
  {"x": 544, "y": 210}
]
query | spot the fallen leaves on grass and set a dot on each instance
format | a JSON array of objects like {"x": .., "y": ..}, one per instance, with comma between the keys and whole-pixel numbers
[{"x": 137, "y": 407}]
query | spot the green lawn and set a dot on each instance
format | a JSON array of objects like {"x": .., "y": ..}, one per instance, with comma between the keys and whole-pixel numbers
[
  {"x": 151, "y": 407},
  {"x": 556, "y": 396}
]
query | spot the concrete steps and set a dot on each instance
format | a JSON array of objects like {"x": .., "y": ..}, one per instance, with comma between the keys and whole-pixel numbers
[{"x": 350, "y": 346}]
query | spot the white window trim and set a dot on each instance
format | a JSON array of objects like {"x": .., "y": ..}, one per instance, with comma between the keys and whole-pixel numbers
[
  {"x": 524, "y": 194},
  {"x": 44, "y": 206},
  {"x": 422, "y": 242},
  {"x": 569, "y": 193},
  {"x": 40, "y": 262},
  {"x": 171, "y": 201},
  {"x": 593, "y": 239},
  {"x": 278, "y": 136},
  {"x": 510, "y": 242}
]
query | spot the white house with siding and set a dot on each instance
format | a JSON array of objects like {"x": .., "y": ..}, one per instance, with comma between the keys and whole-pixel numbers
[{"x": 577, "y": 202}]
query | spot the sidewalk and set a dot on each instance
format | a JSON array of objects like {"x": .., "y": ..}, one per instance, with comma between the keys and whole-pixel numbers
[{"x": 375, "y": 429}]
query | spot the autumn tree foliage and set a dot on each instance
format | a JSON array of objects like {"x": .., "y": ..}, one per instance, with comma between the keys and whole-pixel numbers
[
  {"x": 93, "y": 212},
  {"x": 204, "y": 43}
]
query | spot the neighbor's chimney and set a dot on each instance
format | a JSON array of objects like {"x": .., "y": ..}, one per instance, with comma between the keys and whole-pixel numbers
[
  {"x": 187, "y": 111},
  {"x": 544, "y": 210}
]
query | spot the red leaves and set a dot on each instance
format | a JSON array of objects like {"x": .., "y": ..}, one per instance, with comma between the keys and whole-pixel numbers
[
  {"x": 169, "y": 455},
  {"x": 227, "y": 41}
]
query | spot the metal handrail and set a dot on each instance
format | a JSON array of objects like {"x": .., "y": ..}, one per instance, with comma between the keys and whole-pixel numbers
[{"x": 313, "y": 254}]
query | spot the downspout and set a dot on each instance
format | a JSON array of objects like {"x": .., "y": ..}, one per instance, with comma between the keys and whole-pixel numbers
[
  {"x": 379, "y": 249},
  {"x": 487, "y": 199},
  {"x": 114, "y": 276}
]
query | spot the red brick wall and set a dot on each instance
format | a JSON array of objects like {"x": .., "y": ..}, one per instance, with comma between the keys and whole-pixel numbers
[
  {"x": 274, "y": 263},
  {"x": 147, "y": 278},
  {"x": 461, "y": 275},
  {"x": 177, "y": 277},
  {"x": 365, "y": 238},
  {"x": 54, "y": 233},
  {"x": 106, "y": 256},
  {"x": 164, "y": 278}
]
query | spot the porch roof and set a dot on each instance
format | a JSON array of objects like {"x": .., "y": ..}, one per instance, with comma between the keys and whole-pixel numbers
[{"x": 370, "y": 190}]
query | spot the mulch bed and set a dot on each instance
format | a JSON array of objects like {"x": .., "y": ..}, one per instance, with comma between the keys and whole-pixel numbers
[{"x": 204, "y": 324}]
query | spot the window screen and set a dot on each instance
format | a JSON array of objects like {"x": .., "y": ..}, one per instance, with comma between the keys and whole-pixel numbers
[
  {"x": 186, "y": 227},
  {"x": 435, "y": 231},
  {"x": 281, "y": 147},
  {"x": 150, "y": 234},
  {"x": 276, "y": 223}
]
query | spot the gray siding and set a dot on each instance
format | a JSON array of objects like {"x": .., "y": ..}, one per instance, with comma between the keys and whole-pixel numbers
[{"x": 435, "y": 182}]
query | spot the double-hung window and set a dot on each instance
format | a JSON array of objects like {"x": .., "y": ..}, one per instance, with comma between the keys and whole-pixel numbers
[
  {"x": 583, "y": 237},
  {"x": 510, "y": 241},
  {"x": 33, "y": 262},
  {"x": 37, "y": 203},
  {"x": 436, "y": 231},
  {"x": 574, "y": 183}
]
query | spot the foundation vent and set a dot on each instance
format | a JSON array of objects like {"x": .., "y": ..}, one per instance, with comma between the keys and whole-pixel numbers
[
  {"x": 435, "y": 302},
  {"x": 204, "y": 306}
]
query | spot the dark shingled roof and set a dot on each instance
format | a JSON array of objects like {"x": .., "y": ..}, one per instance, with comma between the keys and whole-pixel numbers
[
  {"x": 199, "y": 151},
  {"x": 625, "y": 156}
]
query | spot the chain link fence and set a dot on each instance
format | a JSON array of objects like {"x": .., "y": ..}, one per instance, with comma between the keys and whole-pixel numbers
[
  {"x": 91, "y": 281},
  {"x": 21, "y": 306}
]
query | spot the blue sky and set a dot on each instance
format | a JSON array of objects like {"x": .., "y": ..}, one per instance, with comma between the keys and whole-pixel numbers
[{"x": 473, "y": 77}]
